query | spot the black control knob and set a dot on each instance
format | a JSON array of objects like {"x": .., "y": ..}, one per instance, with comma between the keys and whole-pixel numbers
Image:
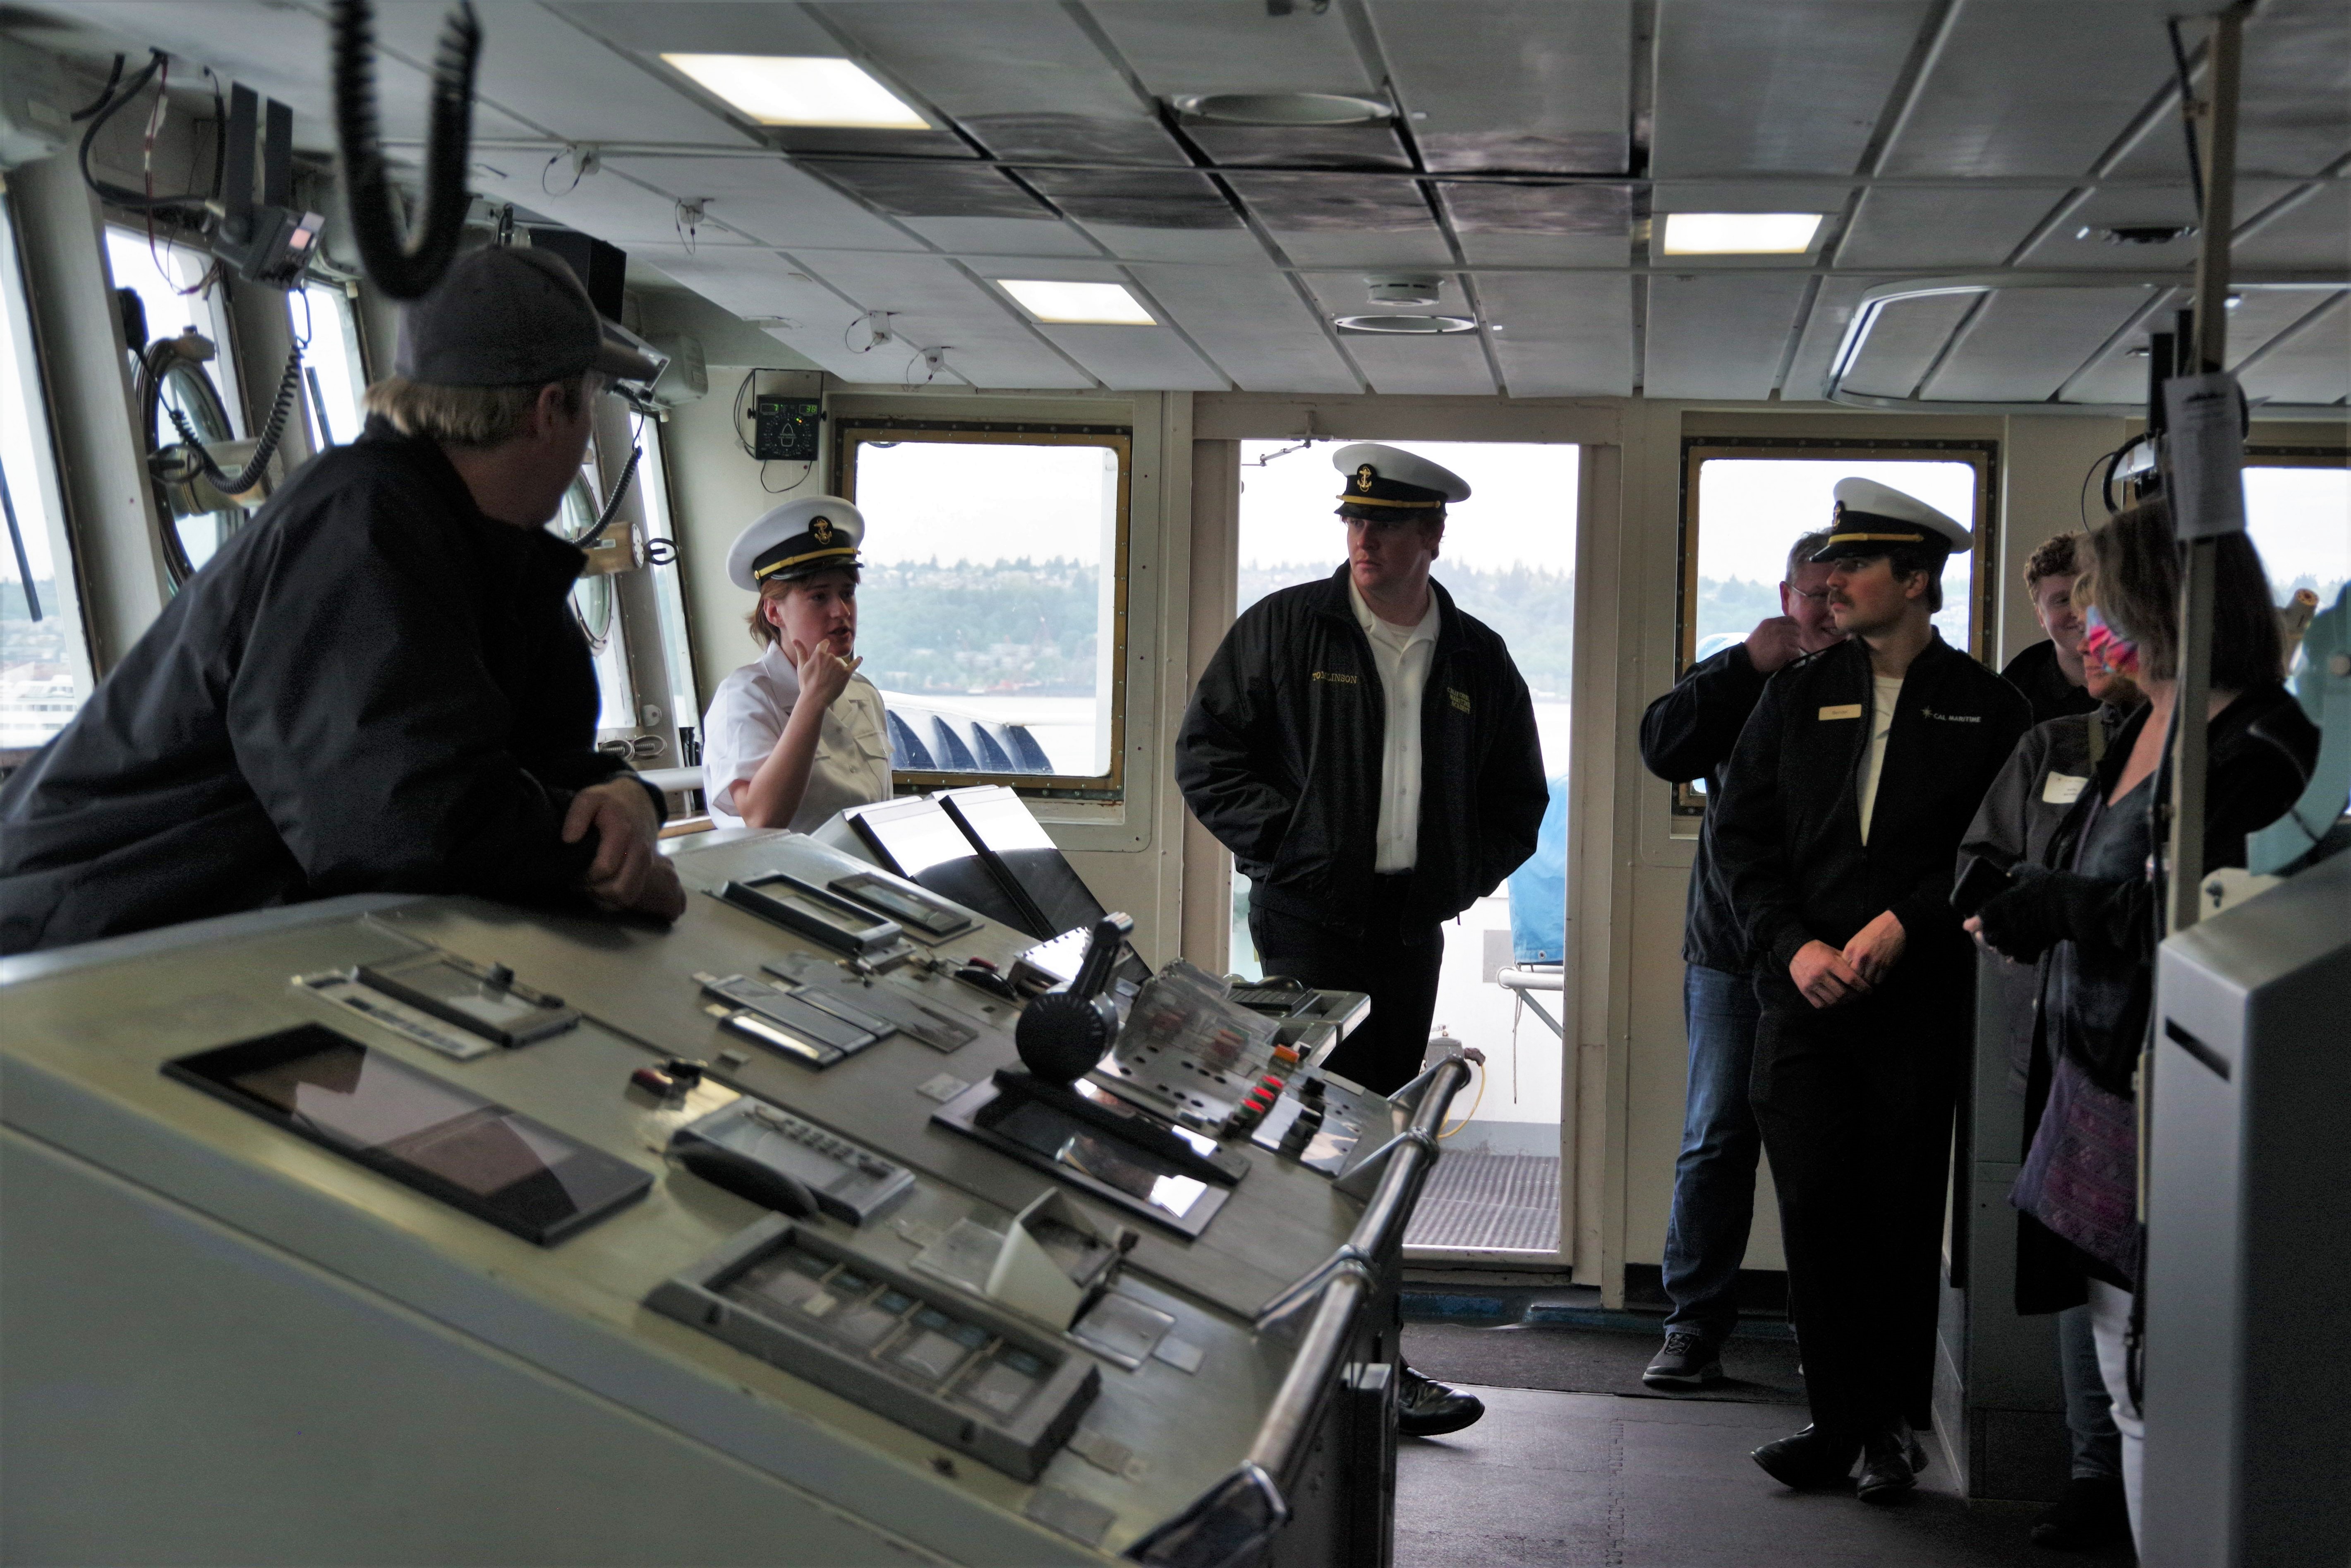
[{"x": 1061, "y": 1036}]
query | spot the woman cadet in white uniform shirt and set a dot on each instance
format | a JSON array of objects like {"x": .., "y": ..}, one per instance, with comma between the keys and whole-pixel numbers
[{"x": 797, "y": 734}]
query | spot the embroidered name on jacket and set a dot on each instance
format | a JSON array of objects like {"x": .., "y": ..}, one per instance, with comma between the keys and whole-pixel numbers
[
  {"x": 1337, "y": 679},
  {"x": 1953, "y": 717}
]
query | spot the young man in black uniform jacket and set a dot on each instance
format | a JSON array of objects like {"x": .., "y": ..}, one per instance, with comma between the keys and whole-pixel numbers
[
  {"x": 377, "y": 685},
  {"x": 1838, "y": 829},
  {"x": 1688, "y": 734},
  {"x": 1368, "y": 753}
]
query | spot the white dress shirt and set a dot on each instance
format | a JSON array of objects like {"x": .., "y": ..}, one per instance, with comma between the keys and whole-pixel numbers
[
  {"x": 1888, "y": 691},
  {"x": 746, "y": 717},
  {"x": 1403, "y": 655}
]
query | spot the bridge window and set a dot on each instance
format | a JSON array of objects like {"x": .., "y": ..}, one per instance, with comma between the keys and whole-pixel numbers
[
  {"x": 334, "y": 374},
  {"x": 1745, "y": 502},
  {"x": 2298, "y": 511},
  {"x": 44, "y": 672},
  {"x": 993, "y": 610}
]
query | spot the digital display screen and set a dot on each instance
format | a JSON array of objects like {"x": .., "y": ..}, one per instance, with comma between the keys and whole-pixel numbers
[
  {"x": 917, "y": 835},
  {"x": 476, "y": 999},
  {"x": 435, "y": 1136},
  {"x": 904, "y": 904}
]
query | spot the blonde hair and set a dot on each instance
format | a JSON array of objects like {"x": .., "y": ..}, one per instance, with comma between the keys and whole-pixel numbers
[{"x": 465, "y": 416}]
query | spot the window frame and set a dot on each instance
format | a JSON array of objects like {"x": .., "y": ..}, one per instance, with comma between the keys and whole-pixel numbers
[
  {"x": 853, "y": 431},
  {"x": 1982, "y": 453}
]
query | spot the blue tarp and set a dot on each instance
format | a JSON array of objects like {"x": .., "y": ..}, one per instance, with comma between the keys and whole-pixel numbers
[{"x": 1538, "y": 889}]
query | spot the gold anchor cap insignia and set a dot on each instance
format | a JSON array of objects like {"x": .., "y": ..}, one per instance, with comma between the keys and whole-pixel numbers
[
  {"x": 1364, "y": 478},
  {"x": 821, "y": 530}
]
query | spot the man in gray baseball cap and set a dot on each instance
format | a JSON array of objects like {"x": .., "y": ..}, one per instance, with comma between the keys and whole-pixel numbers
[{"x": 377, "y": 684}]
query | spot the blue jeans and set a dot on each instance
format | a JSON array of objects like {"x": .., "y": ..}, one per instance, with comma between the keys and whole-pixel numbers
[
  {"x": 1714, "y": 1178},
  {"x": 2089, "y": 1410}
]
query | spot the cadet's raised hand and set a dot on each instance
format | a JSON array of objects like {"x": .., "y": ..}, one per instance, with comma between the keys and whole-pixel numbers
[
  {"x": 1774, "y": 643},
  {"x": 1823, "y": 977},
  {"x": 825, "y": 675}
]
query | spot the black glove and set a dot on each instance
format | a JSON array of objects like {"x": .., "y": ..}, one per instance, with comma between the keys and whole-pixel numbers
[{"x": 2025, "y": 920}]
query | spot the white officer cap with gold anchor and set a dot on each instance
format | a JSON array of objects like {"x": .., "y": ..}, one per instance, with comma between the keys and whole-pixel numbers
[
  {"x": 799, "y": 538},
  {"x": 1871, "y": 518},
  {"x": 1388, "y": 484}
]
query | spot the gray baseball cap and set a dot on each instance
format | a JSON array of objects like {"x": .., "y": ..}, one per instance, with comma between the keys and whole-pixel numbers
[{"x": 506, "y": 317}]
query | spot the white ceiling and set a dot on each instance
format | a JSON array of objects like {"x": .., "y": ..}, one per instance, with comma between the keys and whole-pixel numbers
[{"x": 1943, "y": 136}]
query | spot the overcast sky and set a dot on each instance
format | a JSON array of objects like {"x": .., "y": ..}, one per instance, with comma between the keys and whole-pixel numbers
[
  {"x": 960, "y": 501},
  {"x": 1521, "y": 505}
]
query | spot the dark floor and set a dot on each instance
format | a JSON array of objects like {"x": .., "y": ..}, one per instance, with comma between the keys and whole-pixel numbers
[
  {"x": 1572, "y": 1479},
  {"x": 1570, "y": 1358}
]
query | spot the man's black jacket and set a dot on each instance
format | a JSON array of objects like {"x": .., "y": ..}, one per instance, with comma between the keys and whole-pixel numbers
[
  {"x": 1280, "y": 757},
  {"x": 373, "y": 687},
  {"x": 2035, "y": 673},
  {"x": 1788, "y": 827},
  {"x": 1689, "y": 734}
]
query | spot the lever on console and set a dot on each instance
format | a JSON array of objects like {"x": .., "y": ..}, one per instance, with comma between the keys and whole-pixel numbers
[{"x": 1064, "y": 1033}]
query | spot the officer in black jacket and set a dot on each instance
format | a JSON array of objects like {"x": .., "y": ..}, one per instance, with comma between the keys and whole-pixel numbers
[
  {"x": 376, "y": 686},
  {"x": 1837, "y": 830},
  {"x": 1689, "y": 734},
  {"x": 1368, "y": 753}
]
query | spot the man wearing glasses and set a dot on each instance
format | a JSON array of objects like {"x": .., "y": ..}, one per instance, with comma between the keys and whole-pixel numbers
[{"x": 1686, "y": 735}]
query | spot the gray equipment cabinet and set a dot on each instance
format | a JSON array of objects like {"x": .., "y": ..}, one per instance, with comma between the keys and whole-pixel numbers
[
  {"x": 227, "y": 1344},
  {"x": 2248, "y": 1241}
]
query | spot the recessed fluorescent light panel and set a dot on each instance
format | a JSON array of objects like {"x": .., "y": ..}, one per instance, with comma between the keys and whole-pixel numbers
[
  {"x": 1101, "y": 304},
  {"x": 1741, "y": 234},
  {"x": 800, "y": 90}
]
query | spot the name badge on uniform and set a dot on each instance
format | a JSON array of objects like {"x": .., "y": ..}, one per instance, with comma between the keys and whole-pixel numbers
[
  {"x": 1842, "y": 710},
  {"x": 2061, "y": 789}
]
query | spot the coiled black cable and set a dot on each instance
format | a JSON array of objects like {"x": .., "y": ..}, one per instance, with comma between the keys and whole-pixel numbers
[
  {"x": 273, "y": 429},
  {"x": 404, "y": 267},
  {"x": 188, "y": 206},
  {"x": 612, "y": 506}
]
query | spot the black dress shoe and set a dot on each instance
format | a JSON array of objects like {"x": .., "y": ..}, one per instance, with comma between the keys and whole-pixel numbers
[
  {"x": 2091, "y": 1514},
  {"x": 1891, "y": 1458},
  {"x": 1807, "y": 1460},
  {"x": 1427, "y": 1408}
]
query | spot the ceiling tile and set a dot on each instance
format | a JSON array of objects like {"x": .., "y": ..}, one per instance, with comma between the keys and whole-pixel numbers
[
  {"x": 1941, "y": 230},
  {"x": 2025, "y": 343},
  {"x": 2314, "y": 366},
  {"x": 1138, "y": 359},
  {"x": 1008, "y": 237},
  {"x": 2315, "y": 233},
  {"x": 765, "y": 196},
  {"x": 1718, "y": 335},
  {"x": 929, "y": 188},
  {"x": 1326, "y": 220},
  {"x": 1450, "y": 366},
  {"x": 753, "y": 284},
  {"x": 1141, "y": 198},
  {"x": 1540, "y": 86},
  {"x": 1231, "y": 248},
  {"x": 1281, "y": 146},
  {"x": 2067, "y": 246},
  {"x": 983, "y": 61},
  {"x": 2293, "y": 110},
  {"x": 2036, "y": 88},
  {"x": 1832, "y": 312},
  {"x": 1793, "y": 87},
  {"x": 1560, "y": 336},
  {"x": 557, "y": 77},
  {"x": 1233, "y": 46},
  {"x": 2266, "y": 320},
  {"x": 1253, "y": 324},
  {"x": 1540, "y": 225},
  {"x": 1903, "y": 342},
  {"x": 934, "y": 303}
]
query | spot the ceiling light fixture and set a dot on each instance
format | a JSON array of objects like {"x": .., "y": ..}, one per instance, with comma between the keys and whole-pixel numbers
[
  {"x": 1405, "y": 326},
  {"x": 1057, "y": 302},
  {"x": 1741, "y": 234},
  {"x": 800, "y": 90},
  {"x": 1294, "y": 108}
]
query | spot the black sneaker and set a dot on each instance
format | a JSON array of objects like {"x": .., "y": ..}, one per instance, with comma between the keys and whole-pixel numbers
[
  {"x": 1688, "y": 1360},
  {"x": 1808, "y": 1459},
  {"x": 2091, "y": 1514}
]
